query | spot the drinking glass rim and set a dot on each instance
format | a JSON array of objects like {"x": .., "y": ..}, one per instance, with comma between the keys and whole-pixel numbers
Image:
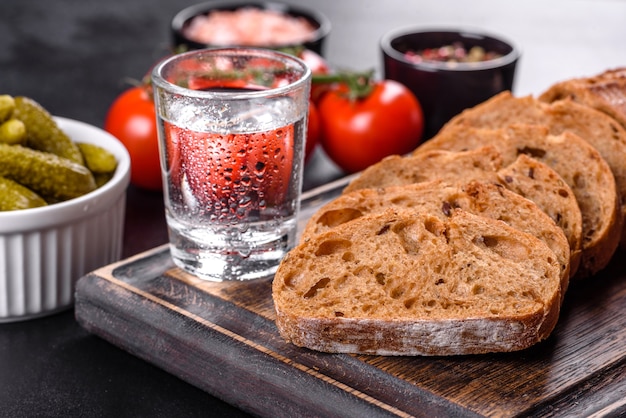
[{"x": 159, "y": 81}]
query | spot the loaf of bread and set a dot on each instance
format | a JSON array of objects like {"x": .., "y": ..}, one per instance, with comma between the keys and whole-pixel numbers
[
  {"x": 525, "y": 176},
  {"x": 600, "y": 130},
  {"x": 404, "y": 282},
  {"x": 605, "y": 92},
  {"x": 578, "y": 163},
  {"x": 441, "y": 199}
]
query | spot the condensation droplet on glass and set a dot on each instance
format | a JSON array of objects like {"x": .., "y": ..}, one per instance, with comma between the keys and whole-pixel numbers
[
  {"x": 241, "y": 212},
  {"x": 245, "y": 201}
]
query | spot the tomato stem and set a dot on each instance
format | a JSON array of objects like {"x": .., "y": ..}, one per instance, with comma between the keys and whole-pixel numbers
[{"x": 359, "y": 84}]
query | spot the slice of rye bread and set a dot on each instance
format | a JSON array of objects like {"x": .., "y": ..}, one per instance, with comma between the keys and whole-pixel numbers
[
  {"x": 397, "y": 170},
  {"x": 595, "y": 127},
  {"x": 579, "y": 164},
  {"x": 409, "y": 283},
  {"x": 526, "y": 177},
  {"x": 441, "y": 199},
  {"x": 605, "y": 92}
]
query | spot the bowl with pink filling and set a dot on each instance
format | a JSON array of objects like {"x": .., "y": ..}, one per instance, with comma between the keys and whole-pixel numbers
[{"x": 256, "y": 24}]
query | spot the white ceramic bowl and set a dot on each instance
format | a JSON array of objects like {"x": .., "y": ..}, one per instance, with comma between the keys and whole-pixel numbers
[{"x": 44, "y": 251}]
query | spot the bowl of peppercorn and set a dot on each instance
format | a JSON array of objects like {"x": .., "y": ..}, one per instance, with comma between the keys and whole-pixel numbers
[{"x": 449, "y": 70}]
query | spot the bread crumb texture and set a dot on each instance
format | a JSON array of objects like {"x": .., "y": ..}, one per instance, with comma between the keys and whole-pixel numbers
[
  {"x": 462, "y": 285},
  {"x": 441, "y": 199}
]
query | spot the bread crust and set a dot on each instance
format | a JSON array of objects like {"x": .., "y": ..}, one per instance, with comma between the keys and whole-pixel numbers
[
  {"x": 605, "y": 92},
  {"x": 600, "y": 130},
  {"x": 416, "y": 337},
  {"x": 454, "y": 287},
  {"x": 579, "y": 164}
]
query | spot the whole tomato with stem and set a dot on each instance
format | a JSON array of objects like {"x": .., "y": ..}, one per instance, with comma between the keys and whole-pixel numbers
[
  {"x": 131, "y": 118},
  {"x": 364, "y": 120}
]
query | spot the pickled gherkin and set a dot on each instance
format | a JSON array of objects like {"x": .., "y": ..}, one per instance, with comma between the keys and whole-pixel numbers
[
  {"x": 102, "y": 178},
  {"x": 7, "y": 105},
  {"x": 42, "y": 132},
  {"x": 12, "y": 131},
  {"x": 53, "y": 177},
  {"x": 14, "y": 196},
  {"x": 97, "y": 159}
]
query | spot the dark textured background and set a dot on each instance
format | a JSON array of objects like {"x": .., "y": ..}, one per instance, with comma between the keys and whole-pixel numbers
[{"x": 74, "y": 56}]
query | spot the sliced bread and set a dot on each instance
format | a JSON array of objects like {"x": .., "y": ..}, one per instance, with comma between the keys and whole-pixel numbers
[
  {"x": 605, "y": 92},
  {"x": 441, "y": 199},
  {"x": 408, "y": 283},
  {"x": 397, "y": 170},
  {"x": 526, "y": 176},
  {"x": 546, "y": 188},
  {"x": 578, "y": 163},
  {"x": 594, "y": 126}
]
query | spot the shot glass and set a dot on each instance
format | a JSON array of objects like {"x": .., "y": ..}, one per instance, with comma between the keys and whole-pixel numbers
[{"x": 232, "y": 130}]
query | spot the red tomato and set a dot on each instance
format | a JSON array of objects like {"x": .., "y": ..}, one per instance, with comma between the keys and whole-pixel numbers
[
  {"x": 359, "y": 133},
  {"x": 313, "y": 132},
  {"x": 132, "y": 119}
]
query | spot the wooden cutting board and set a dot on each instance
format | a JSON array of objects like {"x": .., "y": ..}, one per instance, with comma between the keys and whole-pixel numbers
[{"x": 221, "y": 337}]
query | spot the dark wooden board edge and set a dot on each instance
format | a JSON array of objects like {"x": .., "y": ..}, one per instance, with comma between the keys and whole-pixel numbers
[
  {"x": 130, "y": 304},
  {"x": 232, "y": 370},
  {"x": 601, "y": 395},
  {"x": 264, "y": 376}
]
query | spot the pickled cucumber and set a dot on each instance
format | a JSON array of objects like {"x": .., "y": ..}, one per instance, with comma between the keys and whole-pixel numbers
[
  {"x": 102, "y": 178},
  {"x": 7, "y": 104},
  {"x": 12, "y": 131},
  {"x": 42, "y": 132},
  {"x": 14, "y": 196},
  {"x": 97, "y": 159},
  {"x": 53, "y": 177}
]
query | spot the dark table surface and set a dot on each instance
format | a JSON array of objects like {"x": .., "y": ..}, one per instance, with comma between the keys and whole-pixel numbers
[{"x": 74, "y": 57}]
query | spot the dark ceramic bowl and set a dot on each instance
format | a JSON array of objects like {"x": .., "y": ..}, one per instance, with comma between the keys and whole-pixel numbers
[
  {"x": 183, "y": 18},
  {"x": 442, "y": 88}
]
